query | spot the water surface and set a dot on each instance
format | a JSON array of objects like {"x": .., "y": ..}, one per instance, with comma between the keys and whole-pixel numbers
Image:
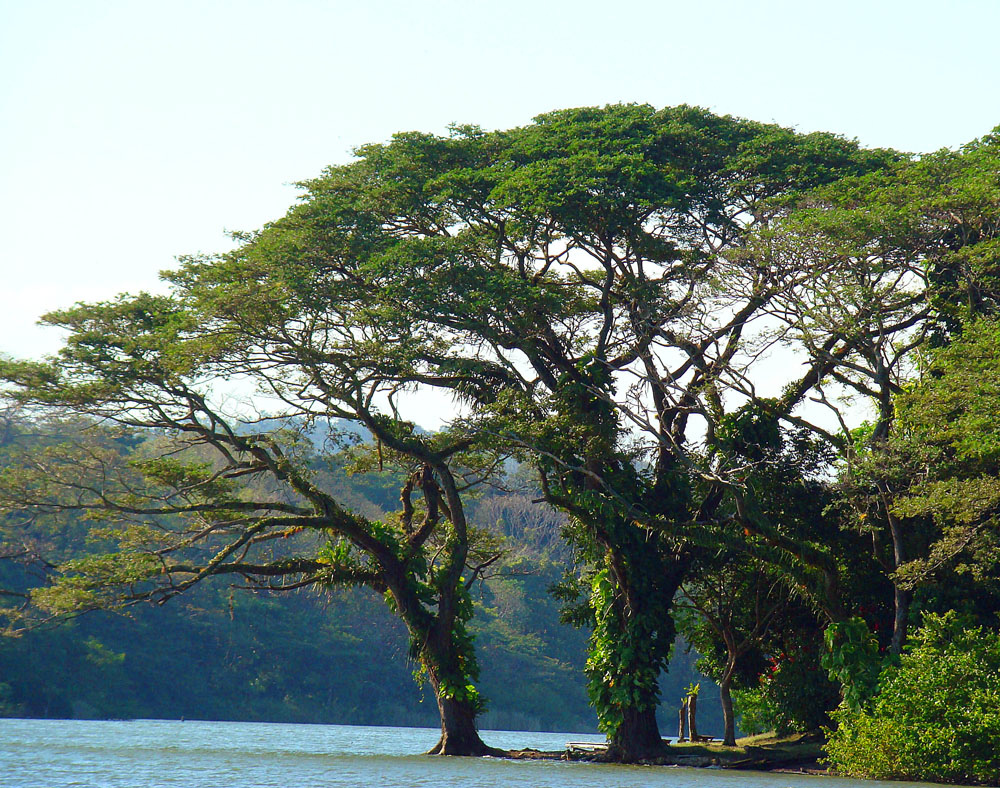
[{"x": 154, "y": 753}]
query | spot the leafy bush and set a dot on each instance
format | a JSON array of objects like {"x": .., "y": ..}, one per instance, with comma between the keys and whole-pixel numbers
[
  {"x": 852, "y": 659},
  {"x": 755, "y": 711},
  {"x": 800, "y": 694},
  {"x": 936, "y": 716},
  {"x": 792, "y": 698}
]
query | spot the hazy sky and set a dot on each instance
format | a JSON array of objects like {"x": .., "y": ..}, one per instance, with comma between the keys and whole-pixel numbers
[{"x": 133, "y": 131}]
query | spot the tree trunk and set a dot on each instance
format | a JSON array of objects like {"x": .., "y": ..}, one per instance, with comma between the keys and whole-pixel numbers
[
  {"x": 635, "y": 629},
  {"x": 459, "y": 735},
  {"x": 728, "y": 718},
  {"x": 682, "y": 720},
  {"x": 902, "y": 600},
  {"x": 901, "y": 597},
  {"x": 692, "y": 714},
  {"x": 637, "y": 738},
  {"x": 449, "y": 672}
]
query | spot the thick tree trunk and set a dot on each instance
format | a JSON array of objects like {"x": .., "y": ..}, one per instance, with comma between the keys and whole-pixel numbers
[
  {"x": 459, "y": 735},
  {"x": 728, "y": 718},
  {"x": 637, "y": 738},
  {"x": 446, "y": 671},
  {"x": 644, "y": 586}
]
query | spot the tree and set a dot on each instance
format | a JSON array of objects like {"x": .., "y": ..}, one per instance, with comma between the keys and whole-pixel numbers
[
  {"x": 948, "y": 439},
  {"x": 733, "y": 607},
  {"x": 734, "y": 600},
  {"x": 212, "y": 490},
  {"x": 335, "y": 656},
  {"x": 581, "y": 280},
  {"x": 905, "y": 257},
  {"x": 858, "y": 319},
  {"x": 584, "y": 285}
]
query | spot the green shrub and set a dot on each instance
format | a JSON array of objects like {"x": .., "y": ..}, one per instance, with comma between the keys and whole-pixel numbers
[
  {"x": 936, "y": 716},
  {"x": 755, "y": 711},
  {"x": 792, "y": 698}
]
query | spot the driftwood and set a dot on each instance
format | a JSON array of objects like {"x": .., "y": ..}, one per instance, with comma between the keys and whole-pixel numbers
[{"x": 586, "y": 746}]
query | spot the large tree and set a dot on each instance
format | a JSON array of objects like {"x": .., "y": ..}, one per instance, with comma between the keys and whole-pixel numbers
[
  {"x": 581, "y": 283},
  {"x": 904, "y": 259},
  {"x": 599, "y": 289},
  {"x": 184, "y": 482}
]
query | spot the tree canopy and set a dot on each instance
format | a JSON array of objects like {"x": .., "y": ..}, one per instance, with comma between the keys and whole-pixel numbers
[{"x": 670, "y": 316}]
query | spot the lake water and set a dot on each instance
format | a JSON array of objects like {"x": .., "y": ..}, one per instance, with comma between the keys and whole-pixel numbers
[{"x": 155, "y": 753}]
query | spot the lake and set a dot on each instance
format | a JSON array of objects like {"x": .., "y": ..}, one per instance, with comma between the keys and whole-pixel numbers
[{"x": 154, "y": 753}]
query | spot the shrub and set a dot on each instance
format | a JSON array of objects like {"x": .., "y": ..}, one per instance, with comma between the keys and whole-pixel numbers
[
  {"x": 936, "y": 716},
  {"x": 755, "y": 711}
]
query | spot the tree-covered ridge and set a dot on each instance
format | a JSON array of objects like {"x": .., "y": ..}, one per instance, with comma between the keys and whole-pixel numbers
[
  {"x": 749, "y": 367},
  {"x": 339, "y": 659}
]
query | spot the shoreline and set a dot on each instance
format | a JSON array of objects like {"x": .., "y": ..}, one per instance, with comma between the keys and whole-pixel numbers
[
  {"x": 804, "y": 766},
  {"x": 796, "y": 754}
]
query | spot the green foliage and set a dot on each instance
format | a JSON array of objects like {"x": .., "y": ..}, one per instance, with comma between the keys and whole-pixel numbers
[
  {"x": 852, "y": 659},
  {"x": 751, "y": 432},
  {"x": 797, "y": 695},
  {"x": 949, "y": 438},
  {"x": 783, "y": 687},
  {"x": 936, "y": 716},
  {"x": 756, "y": 711},
  {"x": 625, "y": 657}
]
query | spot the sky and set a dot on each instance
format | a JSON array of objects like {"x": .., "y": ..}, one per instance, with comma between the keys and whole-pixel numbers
[{"x": 132, "y": 132}]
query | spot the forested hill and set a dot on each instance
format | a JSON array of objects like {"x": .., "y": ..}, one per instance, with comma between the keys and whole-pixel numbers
[{"x": 218, "y": 652}]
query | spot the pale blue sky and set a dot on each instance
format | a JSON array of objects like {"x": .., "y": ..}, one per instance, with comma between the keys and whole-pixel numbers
[{"x": 134, "y": 131}]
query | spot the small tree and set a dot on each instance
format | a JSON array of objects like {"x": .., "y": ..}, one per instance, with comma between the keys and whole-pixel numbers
[{"x": 731, "y": 607}]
